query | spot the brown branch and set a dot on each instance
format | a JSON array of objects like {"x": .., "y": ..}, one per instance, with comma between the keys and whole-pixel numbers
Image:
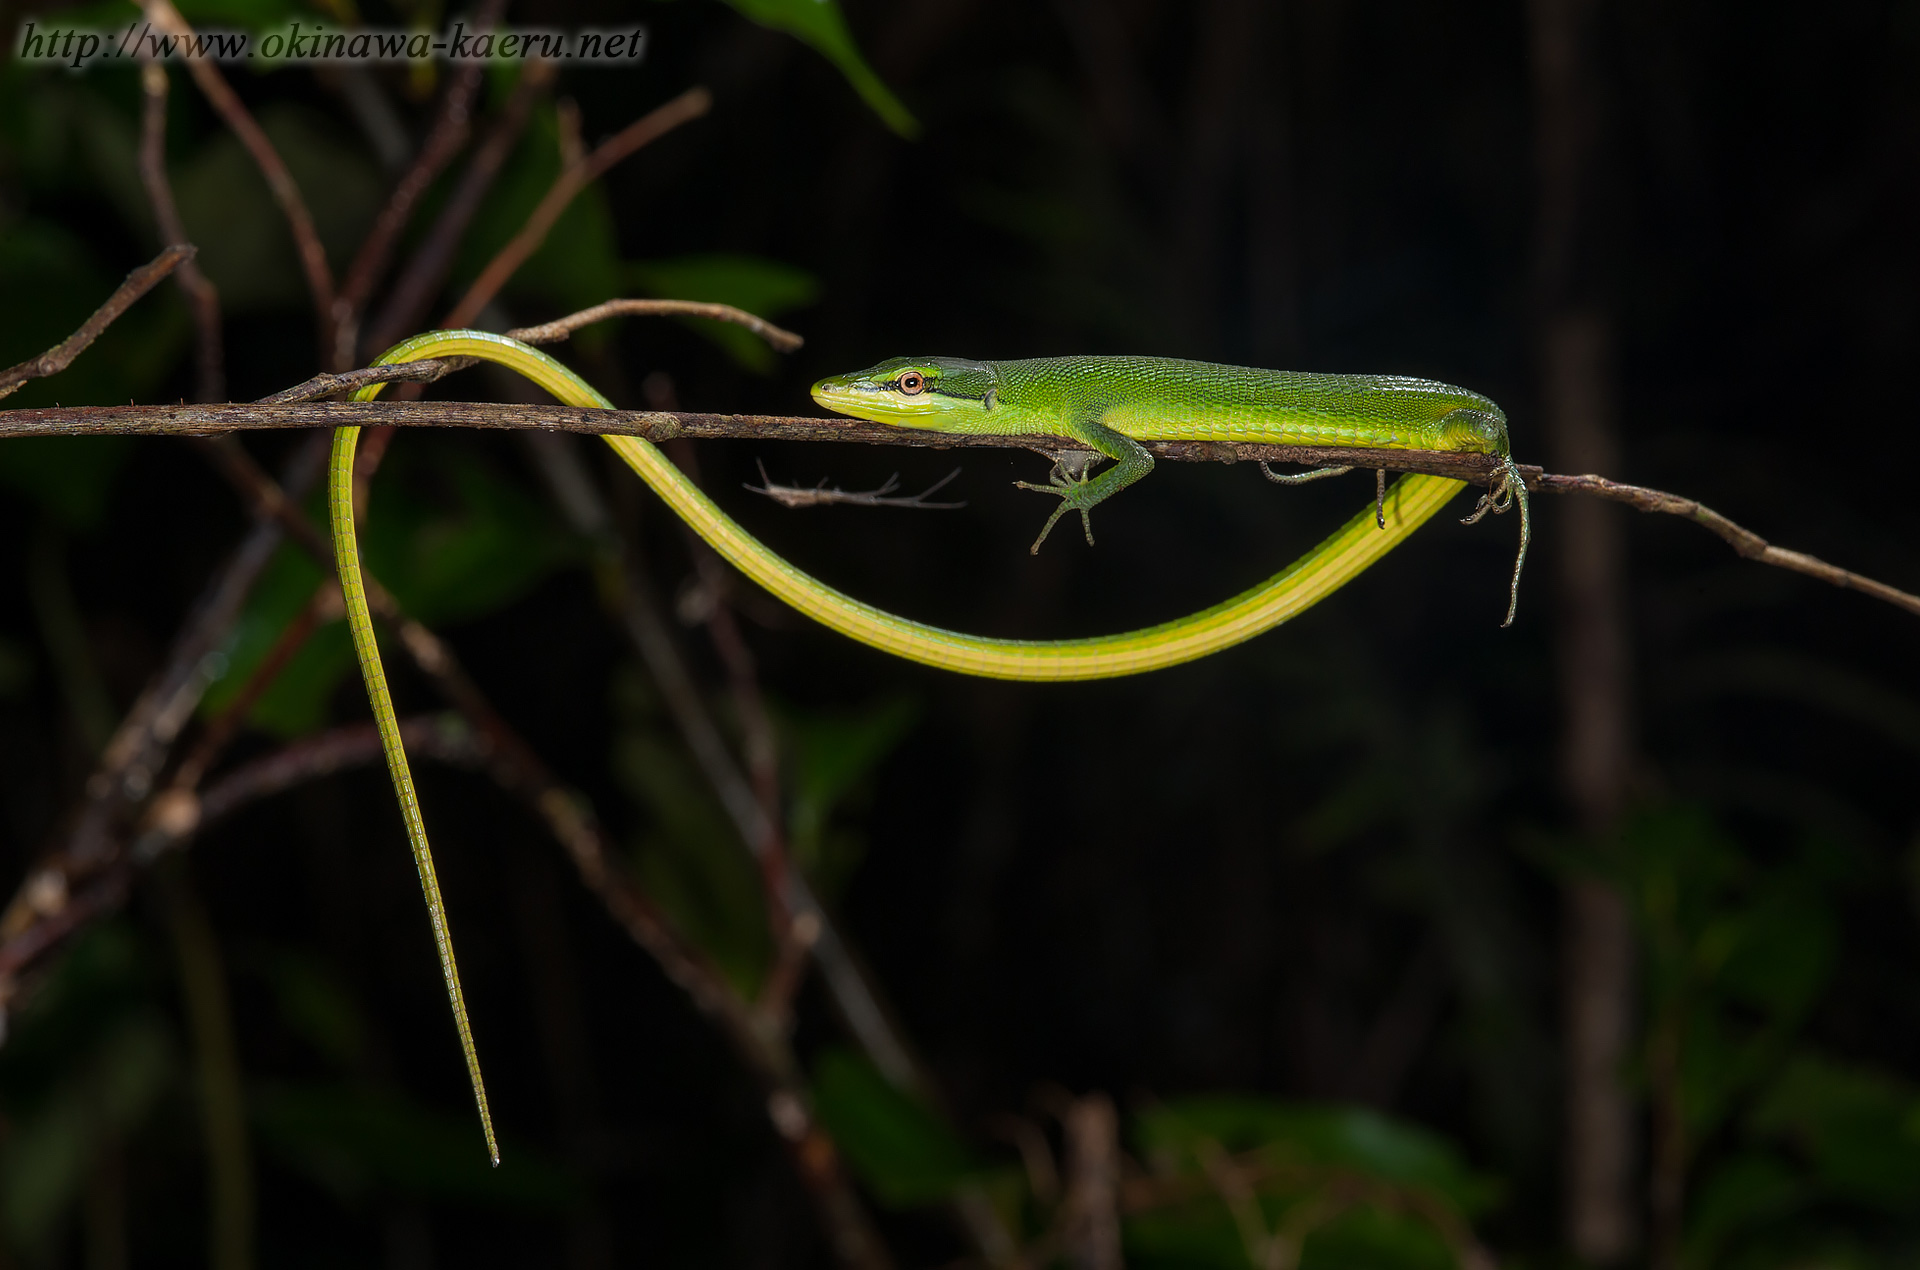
[
  {"x": 688, "y": 106},
  {"x": 227, "y": 103},
  {"x": 407, "y": 302},
  {"x": 783, "y": 341},
  {"x": 202, "y": 297},
  {"x": 658, "y": 426},
  {"x": 61, "y": 355}
]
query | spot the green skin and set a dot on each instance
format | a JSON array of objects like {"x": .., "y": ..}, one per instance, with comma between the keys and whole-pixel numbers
[{"x": 1114, "y": 403}]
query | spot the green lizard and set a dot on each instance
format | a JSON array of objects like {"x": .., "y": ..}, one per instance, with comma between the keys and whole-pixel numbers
[
  {"x": 1114, "y": 403},
  {"x": 1109, "y": 403}
]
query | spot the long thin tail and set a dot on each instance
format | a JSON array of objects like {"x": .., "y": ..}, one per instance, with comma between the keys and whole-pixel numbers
[{"x": 346, "y": 552}]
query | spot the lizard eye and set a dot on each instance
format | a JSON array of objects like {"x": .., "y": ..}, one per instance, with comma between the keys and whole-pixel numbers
[{"x": 913, "y": 383}]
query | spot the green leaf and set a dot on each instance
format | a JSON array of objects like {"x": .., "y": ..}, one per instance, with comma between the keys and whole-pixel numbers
[
  {"x": 821, "y": 25},
  {"x": 898, "y": 1146},
  {"x": 764, "y": 288}
]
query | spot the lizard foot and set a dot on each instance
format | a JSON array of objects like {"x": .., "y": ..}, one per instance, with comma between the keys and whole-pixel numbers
[{"x": 1070, "y": 483}]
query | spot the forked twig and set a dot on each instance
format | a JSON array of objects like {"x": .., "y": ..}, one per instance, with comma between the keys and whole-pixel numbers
[{"x": 820, "y": 496}]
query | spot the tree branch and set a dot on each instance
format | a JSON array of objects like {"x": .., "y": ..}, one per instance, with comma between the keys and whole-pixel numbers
[
  {"x": 210, "y": 379},
  {"x": 420, "y": 281},
  {"x": 286, "y": 192},
  {"x": 688, "y": 106},
  {"x": 452, "y": 125},
  {"x": 659, "y": 425}
]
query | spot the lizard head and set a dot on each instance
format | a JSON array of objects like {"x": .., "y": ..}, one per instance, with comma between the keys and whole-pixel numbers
[{"x": 939, "y": 394}]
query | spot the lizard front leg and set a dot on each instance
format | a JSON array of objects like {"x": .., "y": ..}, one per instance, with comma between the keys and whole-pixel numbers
[{"x": 1079, "y": 492}]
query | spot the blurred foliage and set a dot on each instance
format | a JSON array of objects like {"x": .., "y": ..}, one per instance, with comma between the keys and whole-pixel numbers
[
  {"x": 692, "y": 860},
  {"x": 1217, "y": 1177},
  {"x": 820, "y": 24},
  {"x": 901, "y": 1148},
  {"x": 85, "y": 1065}
]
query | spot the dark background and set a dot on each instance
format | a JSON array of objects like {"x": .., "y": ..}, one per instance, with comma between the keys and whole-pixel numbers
[{"x": 1325, "y": 865}]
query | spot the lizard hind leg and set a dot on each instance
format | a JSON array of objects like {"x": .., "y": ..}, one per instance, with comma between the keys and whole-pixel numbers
[
  {"x": 1498, "y": 500},
  {"x": 1517, "y": 490}
]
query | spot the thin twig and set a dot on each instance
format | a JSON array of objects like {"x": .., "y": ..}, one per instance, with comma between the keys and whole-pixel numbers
[
  {"x": 688, "y": 106},
  {"x": 202, "y": 297},
  {"x": 420, "y": 281},
  {"x": 797, "y": 496},
  {"x": 1745, "y": 542},
  {"x": 781, "y": 340},
  {"x": 323, "y": 386},
  {"x": 61, "y": 355},
  {"x": 227, "y": 103}
]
